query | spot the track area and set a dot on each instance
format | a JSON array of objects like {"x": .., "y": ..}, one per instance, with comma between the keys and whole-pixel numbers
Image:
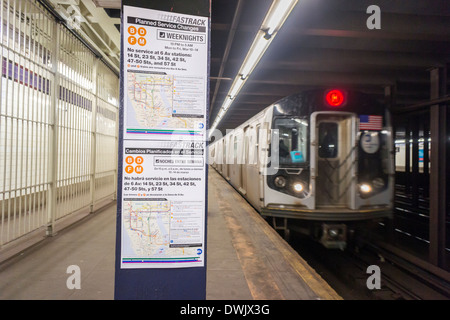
[{"x": 347, "y": 272}]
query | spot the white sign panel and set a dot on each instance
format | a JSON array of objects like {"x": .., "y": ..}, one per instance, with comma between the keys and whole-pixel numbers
[{"x": 165, "y": 63}]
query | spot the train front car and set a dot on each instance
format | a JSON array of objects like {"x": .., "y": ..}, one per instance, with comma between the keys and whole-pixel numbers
[{"x": 331, "y": 163}]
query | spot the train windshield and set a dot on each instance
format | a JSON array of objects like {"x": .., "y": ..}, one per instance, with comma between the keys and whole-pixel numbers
[{"x": 293, "y": 137}]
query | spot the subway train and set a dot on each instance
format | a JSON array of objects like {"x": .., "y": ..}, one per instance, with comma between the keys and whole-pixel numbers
[{"x": 319, "y": 162}]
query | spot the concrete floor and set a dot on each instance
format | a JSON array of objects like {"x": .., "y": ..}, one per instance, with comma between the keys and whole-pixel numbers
[
  {"x": 40, "y": 272},
  {"x": 246, "y": 259}
]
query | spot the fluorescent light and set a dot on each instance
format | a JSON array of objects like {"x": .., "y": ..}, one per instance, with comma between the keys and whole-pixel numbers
[
  {"x": 256, "y": 52},
  {"x": 278, "y": 15},
  {"x": 236, "y": 87},
  {"x": 220, "y": 115},
  {"x": 110, "y": 4},
  {"x": 275, "y": 17},
  {"x": 227, "y": 103}
]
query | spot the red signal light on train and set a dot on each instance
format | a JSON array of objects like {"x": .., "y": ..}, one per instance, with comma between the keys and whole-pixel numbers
[{"x": 335, "y": 98}]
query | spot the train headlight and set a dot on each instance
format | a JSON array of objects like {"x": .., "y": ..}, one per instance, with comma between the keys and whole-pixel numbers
[
  {"x": 298, "y": 187},
  {"x": 365, "y": 188},
  {"x": 280, "y": 181}
]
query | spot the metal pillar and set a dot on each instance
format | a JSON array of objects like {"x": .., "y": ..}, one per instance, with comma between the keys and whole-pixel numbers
[
  {"x": 53, "y": 136},
  {"x": 415, "y": 161},
  {"x": 389, "y": 100},
  {"x": 438, "y": 194},
  {"x": 408, "y": 156},
  {"x": 152, "y": 281},
  {"x": 94, "y": 135}
]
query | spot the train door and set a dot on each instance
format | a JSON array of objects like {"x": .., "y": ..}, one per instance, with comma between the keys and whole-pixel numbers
[
  {"x": 333, "y": 144},
  {"x": 223, "y": 161},
  {"x": 235, "y": 175},
  {"x": 244, "y": 162},
  {"x": 228, "y": 158}
]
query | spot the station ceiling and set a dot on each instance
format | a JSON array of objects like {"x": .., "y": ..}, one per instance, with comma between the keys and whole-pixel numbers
[{"x": 323, "y": 43}]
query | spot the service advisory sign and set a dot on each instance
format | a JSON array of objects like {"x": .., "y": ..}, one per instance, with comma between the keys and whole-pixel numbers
[
  {"x": 166, "y": 73},
  {"x": 163, "y": 185}
]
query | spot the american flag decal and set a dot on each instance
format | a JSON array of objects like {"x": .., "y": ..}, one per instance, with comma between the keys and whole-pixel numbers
[{"x": 370, "y": 122}]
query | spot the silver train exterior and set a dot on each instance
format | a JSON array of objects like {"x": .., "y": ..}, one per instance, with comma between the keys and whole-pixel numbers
[{"x": 321, "y": 160}]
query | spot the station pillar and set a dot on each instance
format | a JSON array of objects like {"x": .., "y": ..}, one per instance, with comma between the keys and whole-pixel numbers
[
  {"x": 439, "y": 173},
  {"x": 162, "y": 167}
]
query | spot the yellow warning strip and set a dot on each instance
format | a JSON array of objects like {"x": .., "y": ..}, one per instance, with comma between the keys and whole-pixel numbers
[
  {"x": 260, "y": 283},
  {"x": 308, "y": 274},
  {"x": 246, "y": 255}
]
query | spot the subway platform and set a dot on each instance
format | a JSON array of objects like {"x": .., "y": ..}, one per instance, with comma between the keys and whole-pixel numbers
[{"x": 246, "y": 258}]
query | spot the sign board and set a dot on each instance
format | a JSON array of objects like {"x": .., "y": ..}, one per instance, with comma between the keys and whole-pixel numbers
[{"x": 163, "y": 174}]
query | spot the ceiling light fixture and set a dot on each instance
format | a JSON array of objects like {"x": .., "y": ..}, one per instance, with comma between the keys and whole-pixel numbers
[
  {"x": 275, "y": 18},
  {"x": 278, "y": 15}
]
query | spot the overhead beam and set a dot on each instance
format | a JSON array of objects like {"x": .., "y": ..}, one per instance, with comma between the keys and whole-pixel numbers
[
  {"x": 351, "y": 23},
  {"x": 99, "y": 16},
  {"x": 416, "y": 7},
  {"x": 345, "y": 59},
  {"x": 234, "y": 24},
  {"x": 350, "y": 32},
  {"x": 398, "y": 24},
  {"x": 304, "y": 78}
]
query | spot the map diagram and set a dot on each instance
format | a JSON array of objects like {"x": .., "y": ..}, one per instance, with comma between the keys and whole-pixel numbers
[
  {"x": 147, "y": 223},
  {"x": 152, "y": 103}
]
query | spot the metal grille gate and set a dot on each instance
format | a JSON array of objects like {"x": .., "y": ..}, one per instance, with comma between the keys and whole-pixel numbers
[{"x": 58, "y": 115}]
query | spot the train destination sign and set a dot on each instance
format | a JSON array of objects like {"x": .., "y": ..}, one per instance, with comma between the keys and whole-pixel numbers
[{"x": 163, "y": 182}]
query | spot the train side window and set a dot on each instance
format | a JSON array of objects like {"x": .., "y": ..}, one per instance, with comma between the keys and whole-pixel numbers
[{"x": 328, "y": 140}]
